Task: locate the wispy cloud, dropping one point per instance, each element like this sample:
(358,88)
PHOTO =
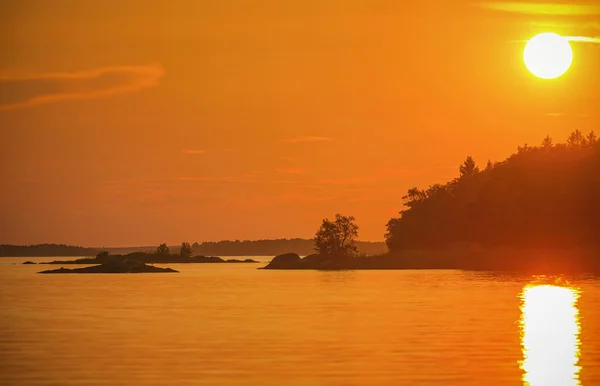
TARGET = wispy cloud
(21,91)
(553,9)
(247,177)
(208,179)
(350,181)
(307,139)
(193,151)
(584,39)
(291,170)
(580,25)
(305,198)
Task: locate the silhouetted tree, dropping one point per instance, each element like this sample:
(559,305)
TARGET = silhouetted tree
(591,138)
(547,142)
(468,168)
(337,237)
(186,250)
(576,139)
(162,250)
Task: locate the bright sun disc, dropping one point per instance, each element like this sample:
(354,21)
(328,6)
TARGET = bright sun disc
(548,55)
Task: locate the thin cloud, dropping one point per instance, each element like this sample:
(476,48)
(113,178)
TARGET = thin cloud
(350,181)
(580,26)
(206,179)
(193,151)
(307,139)
(584,39)
(291,170)
(27,91)
(580,39)
(548,9)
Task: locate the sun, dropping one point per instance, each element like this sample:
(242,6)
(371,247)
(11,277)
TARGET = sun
(548,55)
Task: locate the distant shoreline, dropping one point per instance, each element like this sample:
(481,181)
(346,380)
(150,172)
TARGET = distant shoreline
(221,248)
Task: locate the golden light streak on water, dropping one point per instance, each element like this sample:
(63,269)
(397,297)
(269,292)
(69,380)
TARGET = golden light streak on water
(550,331)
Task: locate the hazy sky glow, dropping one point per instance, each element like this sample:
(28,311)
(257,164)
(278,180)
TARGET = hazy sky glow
(129,122)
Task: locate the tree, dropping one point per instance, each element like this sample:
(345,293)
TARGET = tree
(162,250)
(337,237)
(592,139)
(413,197)
(547,142)
(576,139)
(186,250)
(468,168)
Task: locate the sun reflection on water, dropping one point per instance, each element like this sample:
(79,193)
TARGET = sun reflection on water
(550,335)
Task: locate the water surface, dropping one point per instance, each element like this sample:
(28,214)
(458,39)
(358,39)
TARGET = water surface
(231,324)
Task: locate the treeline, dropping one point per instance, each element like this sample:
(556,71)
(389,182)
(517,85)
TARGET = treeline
(41,250)
(545,196)
(209,248)
(274,247)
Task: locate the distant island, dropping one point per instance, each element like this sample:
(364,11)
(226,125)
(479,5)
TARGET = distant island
(161,256)
(138,262)
(536,212)
(207,248)
(115,266)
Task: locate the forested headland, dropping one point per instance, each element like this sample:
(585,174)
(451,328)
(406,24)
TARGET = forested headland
(545,196)
(537,212)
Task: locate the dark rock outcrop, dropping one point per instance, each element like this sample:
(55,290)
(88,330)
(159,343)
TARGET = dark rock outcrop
(29,262)
(315,261)
(285,261)
(114,267)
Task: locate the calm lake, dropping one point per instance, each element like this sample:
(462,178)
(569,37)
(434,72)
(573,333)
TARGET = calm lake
(231,324)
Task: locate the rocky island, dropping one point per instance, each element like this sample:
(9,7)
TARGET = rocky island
(149,258)
(122,266)
(535,261)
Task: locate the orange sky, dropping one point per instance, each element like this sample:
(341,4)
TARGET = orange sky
(137,122)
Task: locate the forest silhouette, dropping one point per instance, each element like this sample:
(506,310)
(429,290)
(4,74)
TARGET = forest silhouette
(545,196)
(536,212)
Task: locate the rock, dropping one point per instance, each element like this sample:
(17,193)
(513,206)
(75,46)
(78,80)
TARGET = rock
(114,267)
(285,261)
(315,261)
(29,262)
(207,259)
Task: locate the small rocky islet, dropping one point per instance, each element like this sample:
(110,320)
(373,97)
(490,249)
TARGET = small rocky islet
(138,262)
(125,266)
(149,258)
